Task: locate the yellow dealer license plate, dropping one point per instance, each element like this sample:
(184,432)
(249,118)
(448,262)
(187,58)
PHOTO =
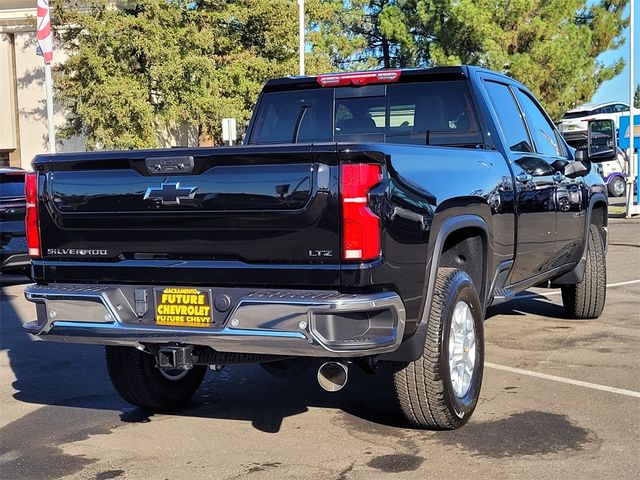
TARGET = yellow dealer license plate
(184,307)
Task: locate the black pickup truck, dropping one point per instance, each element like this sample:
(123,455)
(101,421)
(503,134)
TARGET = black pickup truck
(369,217)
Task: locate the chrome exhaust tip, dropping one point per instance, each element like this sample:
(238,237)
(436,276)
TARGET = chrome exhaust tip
(332,376)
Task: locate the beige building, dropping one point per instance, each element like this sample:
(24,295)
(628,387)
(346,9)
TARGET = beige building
(23,121)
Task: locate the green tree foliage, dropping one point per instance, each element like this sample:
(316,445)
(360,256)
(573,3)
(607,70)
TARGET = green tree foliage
(139,66)
(149,64)
(333,36)
(384,31)
(552,46)
(636,97)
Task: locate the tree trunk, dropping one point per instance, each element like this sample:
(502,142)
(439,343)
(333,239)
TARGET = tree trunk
(386,57)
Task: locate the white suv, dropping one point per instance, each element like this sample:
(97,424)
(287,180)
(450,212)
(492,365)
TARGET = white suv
(576,120)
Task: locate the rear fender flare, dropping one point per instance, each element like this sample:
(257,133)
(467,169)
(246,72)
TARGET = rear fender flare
(413,347)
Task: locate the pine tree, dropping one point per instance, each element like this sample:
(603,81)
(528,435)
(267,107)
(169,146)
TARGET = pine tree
(552,46)
(153,64)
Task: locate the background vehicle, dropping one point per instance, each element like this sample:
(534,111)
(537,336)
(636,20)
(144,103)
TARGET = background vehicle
(371,217)
(576,120)
(612,172)
(13,245)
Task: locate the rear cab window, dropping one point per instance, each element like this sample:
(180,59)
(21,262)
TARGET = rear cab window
(438,113)
(293,116)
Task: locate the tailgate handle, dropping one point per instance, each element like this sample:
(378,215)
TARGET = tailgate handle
(169,165)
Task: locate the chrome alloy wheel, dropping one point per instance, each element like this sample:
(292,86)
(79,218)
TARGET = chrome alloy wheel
(462,349)
(618,187)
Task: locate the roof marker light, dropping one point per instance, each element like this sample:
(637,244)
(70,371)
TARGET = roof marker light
(358,79)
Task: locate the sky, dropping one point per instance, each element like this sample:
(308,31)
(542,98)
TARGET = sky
(617,89)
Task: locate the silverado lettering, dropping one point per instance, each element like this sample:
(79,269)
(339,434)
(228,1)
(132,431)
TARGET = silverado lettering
(77,251)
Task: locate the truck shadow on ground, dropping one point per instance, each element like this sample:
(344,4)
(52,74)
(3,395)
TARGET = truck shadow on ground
(531,305)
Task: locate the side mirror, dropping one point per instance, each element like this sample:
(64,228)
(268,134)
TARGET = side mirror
(578,168)
(601,140)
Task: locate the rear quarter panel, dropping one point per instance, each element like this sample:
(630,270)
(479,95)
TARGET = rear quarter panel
(422,187)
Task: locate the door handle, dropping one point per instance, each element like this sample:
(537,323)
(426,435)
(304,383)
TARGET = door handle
(558,177)
(524,177)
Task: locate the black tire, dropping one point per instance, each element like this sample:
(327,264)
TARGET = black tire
(424,387)
(614,187)
(136,378)
(585,300)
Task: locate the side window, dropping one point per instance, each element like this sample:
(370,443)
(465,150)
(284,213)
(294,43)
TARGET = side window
(509,116)
(621,107)
(542,130)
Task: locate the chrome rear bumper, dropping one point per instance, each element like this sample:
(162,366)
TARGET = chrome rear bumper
(283,322)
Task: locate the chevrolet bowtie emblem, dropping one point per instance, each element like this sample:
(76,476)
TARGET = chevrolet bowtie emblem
(170,193)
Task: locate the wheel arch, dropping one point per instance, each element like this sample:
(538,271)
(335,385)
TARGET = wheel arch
(454,235)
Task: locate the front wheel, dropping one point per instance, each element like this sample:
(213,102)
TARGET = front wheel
(440,389)
(138,381)
(585,300)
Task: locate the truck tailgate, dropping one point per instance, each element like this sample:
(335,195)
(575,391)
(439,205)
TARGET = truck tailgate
(250,214)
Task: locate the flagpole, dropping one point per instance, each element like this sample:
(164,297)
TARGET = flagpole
(632,206)
(301,34)
(44,34)
(49,88)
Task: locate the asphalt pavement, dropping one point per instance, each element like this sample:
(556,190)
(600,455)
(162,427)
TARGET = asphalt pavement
(560,399)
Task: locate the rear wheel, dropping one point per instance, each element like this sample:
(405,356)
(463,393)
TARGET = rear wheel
(138,381)
(585,300)
(440,389)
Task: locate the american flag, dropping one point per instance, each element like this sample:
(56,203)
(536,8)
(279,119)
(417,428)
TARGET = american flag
(45,33)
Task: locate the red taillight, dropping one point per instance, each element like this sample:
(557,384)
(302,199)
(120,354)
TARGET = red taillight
(31,220)
(360,78)
(360,226)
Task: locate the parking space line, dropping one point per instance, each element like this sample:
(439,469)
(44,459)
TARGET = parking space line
(619,284)
(558,292)
(570,381)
